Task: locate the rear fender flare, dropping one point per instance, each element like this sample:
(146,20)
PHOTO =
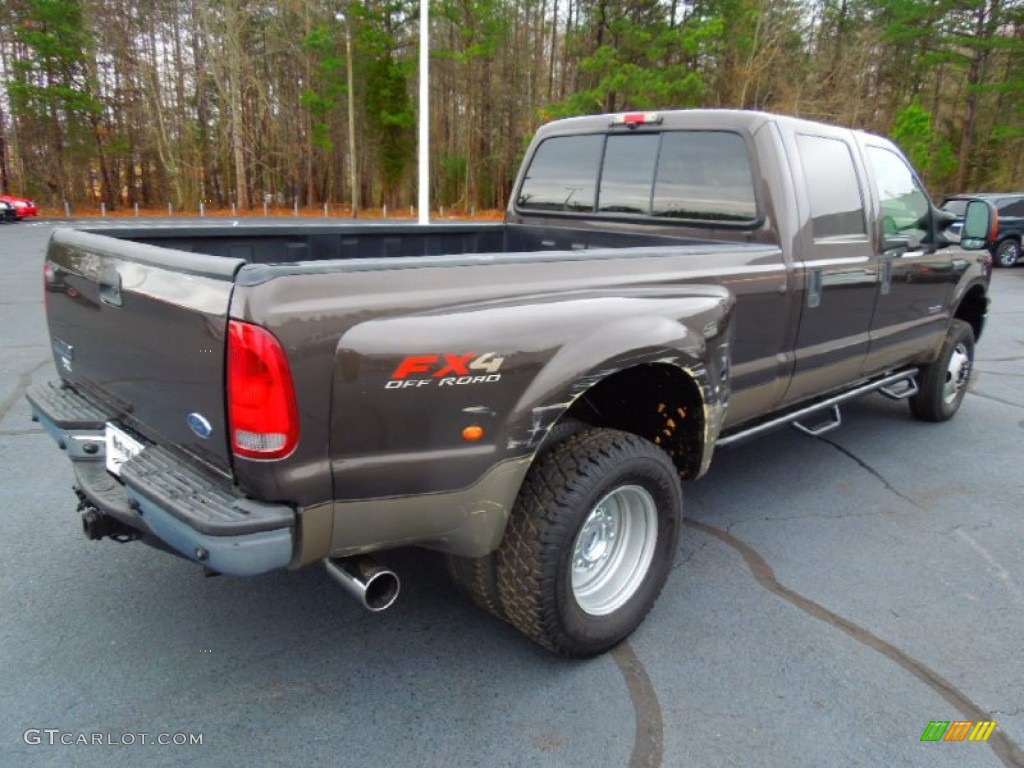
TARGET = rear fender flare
(700,353)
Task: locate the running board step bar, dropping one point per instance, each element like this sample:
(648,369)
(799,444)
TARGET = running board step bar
(821,428)
(895,386)
(901,390)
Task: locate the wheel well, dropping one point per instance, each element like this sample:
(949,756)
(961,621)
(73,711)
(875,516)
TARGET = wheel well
(972,309)
(657,402)
(1000,239)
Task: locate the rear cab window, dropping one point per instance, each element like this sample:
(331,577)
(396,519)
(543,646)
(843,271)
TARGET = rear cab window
(563,175)
(693,176)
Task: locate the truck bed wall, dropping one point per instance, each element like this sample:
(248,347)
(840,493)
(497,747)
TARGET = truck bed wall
(290,244)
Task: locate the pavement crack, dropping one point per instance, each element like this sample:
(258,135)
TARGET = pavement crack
(870,470)
(649,742)
(17,432)
(692,554)
(1008,752)
(824,516)
(24,379)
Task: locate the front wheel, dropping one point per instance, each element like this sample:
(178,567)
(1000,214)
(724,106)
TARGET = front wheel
(1007,253)
(590,541)
(944,383)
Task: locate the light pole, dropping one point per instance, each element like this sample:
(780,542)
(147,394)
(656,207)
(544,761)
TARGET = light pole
(424,123)
(353,175)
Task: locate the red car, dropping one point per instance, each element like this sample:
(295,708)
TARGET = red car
(23,207)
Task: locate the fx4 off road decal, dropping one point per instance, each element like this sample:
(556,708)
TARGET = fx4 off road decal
(446,370)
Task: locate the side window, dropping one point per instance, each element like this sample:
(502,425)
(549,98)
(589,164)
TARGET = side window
(837,207)
(905,206)
(628,173)
(956,207)
(704,176)
(1011,207)
(563,175)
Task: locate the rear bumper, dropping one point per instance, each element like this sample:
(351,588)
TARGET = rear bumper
(194,513)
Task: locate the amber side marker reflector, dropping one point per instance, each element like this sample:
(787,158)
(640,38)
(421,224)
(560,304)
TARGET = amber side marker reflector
(472,433)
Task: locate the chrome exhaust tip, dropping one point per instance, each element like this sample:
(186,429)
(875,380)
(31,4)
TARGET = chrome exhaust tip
(373,585)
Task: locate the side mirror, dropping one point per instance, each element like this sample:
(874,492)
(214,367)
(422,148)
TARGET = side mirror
(978,221)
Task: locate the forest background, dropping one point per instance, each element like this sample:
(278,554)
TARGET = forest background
(245,102)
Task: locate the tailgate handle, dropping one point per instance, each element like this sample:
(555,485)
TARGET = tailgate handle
(110,287)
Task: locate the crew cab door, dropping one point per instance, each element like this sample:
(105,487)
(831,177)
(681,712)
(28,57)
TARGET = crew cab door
(839,269)
(916,280)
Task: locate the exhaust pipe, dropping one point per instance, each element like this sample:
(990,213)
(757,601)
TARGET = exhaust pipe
(375,586)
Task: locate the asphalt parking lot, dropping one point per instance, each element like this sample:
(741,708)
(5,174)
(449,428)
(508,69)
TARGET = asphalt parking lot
(831,598)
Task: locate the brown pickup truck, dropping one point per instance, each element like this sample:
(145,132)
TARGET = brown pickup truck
(523,397)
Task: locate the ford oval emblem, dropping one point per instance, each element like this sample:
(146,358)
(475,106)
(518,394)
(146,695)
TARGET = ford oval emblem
(199,424)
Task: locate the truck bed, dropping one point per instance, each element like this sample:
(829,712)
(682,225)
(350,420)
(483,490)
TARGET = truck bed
(139,314)
(291,243)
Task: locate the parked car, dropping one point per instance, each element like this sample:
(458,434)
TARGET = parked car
(23,207)
(6,212)
(1008,225)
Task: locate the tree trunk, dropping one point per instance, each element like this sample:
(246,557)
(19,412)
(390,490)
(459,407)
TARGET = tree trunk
(5,178)
(234,75)
(984,29)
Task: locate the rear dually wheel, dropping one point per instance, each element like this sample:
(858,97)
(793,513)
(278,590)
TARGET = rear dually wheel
(590,542)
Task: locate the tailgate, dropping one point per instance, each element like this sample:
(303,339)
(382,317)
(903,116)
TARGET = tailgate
(141,330)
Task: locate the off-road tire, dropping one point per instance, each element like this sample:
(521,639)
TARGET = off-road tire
(943,384)
(563,490)
(477,576)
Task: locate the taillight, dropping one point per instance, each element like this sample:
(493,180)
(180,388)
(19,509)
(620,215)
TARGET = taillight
(262,415)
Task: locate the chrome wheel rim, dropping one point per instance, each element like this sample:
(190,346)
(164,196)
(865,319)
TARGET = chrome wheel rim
(957,374)
(614,549)
(1008,253)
